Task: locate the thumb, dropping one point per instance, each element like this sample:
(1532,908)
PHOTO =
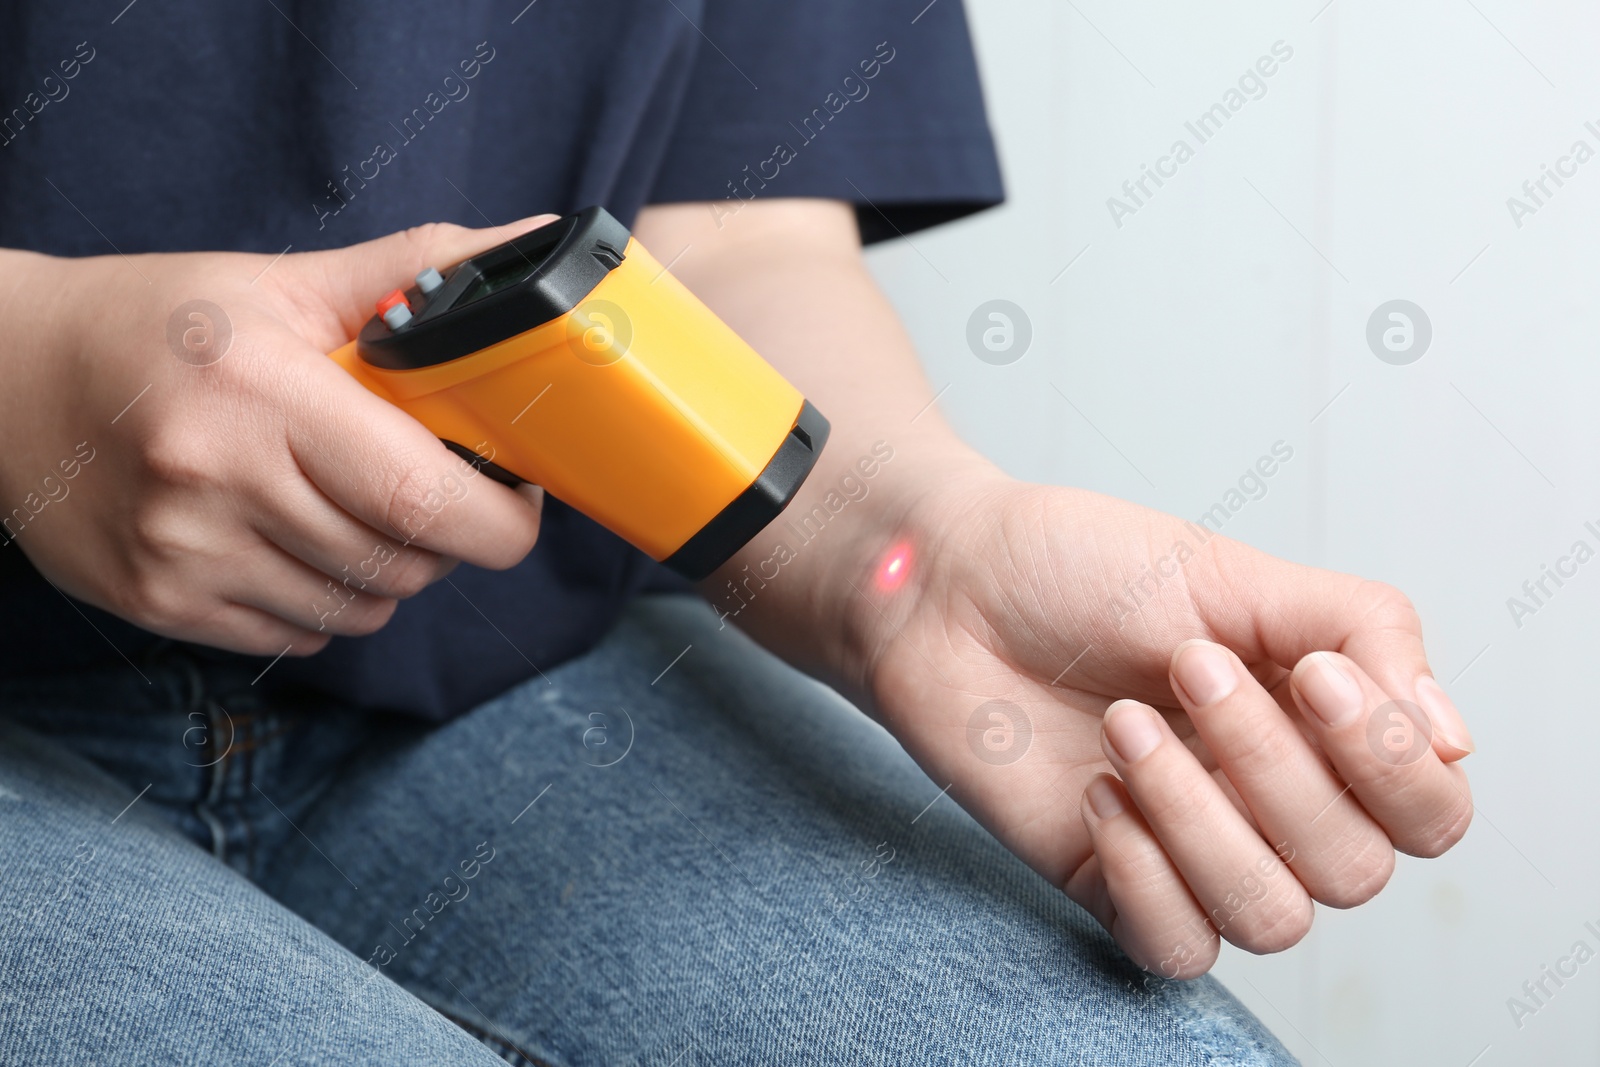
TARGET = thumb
(350,280)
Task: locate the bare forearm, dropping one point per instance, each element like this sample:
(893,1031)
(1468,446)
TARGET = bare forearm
(789,278)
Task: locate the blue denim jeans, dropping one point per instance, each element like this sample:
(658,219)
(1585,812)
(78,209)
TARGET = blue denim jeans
(674,850)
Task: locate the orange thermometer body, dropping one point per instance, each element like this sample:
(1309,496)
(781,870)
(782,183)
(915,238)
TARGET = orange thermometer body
(569,358)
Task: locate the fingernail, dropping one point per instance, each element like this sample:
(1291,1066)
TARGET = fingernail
(1447,721)
(1206,673)
(1332,694)
(1131,728)
(1103,799)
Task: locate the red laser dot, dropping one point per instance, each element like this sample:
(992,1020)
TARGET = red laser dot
(892,574)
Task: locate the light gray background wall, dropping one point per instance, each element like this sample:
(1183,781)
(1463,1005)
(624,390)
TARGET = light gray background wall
(1231,312)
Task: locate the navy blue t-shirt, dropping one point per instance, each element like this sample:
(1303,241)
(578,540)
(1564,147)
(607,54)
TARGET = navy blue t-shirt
(182,125)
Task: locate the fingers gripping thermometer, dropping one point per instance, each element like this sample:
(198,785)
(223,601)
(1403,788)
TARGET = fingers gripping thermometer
(569,358)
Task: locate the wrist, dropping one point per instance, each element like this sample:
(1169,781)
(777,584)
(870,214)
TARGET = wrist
(908,564)
(29,284)
(821,585)
(892,568)
(46,304)
(37,350)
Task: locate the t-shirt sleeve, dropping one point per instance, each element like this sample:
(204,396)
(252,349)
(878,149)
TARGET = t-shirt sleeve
(875,103)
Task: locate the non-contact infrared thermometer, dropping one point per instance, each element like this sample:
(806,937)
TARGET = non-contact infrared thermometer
(569,358)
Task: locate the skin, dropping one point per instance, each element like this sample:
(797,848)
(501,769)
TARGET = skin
(223,501)
(1238,818)
(1182,772)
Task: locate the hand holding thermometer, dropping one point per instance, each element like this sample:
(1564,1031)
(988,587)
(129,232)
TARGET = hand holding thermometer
(569,358)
